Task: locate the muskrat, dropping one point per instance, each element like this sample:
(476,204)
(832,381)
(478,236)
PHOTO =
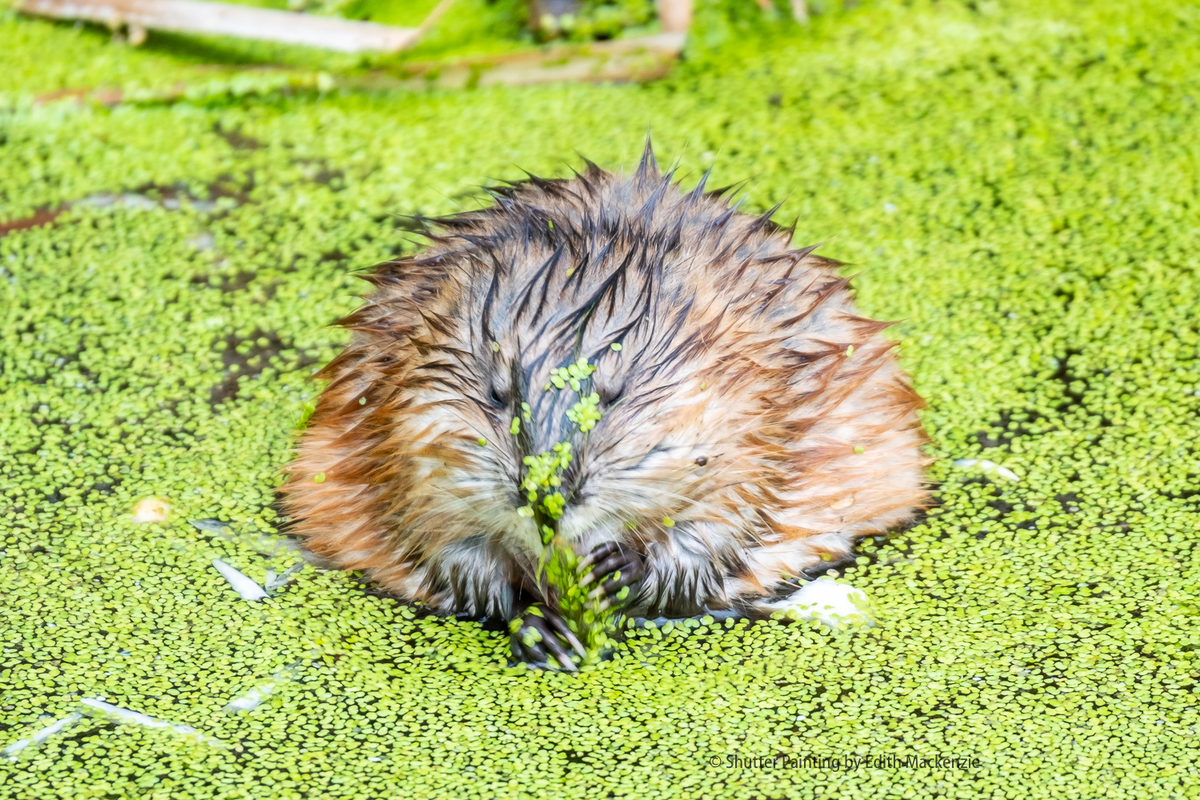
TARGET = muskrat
(754,426)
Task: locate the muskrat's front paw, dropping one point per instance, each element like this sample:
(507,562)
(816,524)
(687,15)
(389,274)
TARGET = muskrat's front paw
(540,634)
(617,570)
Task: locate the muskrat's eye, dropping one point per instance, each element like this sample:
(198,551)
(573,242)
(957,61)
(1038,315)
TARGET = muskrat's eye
(610,392)
(499,397)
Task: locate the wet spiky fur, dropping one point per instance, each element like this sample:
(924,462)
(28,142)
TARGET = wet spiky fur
(735,407)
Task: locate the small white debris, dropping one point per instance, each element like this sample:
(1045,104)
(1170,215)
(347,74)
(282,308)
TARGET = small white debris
(248,589)
(889,208)
(990,467)
(151,509)
(209,525)
(136,718)
(826,600)
(203,241)
(128,200)
(317,560)
(97,200)
(274,582)
(132,200)
(201,206)
(250,700)
(42,735)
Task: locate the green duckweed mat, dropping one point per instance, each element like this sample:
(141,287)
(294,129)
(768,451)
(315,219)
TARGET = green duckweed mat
(1016,181)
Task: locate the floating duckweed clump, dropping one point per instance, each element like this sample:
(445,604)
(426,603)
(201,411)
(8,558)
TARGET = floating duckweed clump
(560,569)
(1016,182)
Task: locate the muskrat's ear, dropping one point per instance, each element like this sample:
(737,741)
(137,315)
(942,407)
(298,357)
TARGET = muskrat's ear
(647,170)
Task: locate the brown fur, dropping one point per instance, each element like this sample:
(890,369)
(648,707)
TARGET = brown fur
(733,407)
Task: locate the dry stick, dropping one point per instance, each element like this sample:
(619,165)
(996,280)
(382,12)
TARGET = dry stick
(431,20)
(675,15)
(641,59)
(223,19)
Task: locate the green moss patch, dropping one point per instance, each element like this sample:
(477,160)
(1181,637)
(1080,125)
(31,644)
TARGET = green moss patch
(1015,181)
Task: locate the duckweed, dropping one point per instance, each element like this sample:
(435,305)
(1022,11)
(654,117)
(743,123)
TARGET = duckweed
(1015,182)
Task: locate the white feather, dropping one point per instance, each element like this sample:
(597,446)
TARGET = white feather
(250,700)
(137,718)
(42,735)
(248,589)
(988,467)
(826,600)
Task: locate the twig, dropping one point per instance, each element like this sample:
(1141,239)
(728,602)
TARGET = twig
(432,19)
(643,58)
(639,59)
(223,19)
(675,15)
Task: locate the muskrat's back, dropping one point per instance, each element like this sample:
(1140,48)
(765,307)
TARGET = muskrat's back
(753,424)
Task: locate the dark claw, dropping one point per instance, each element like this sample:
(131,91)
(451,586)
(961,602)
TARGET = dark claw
(613,567)
(542,634)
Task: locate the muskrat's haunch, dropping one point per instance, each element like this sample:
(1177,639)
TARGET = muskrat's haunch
(753,424)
